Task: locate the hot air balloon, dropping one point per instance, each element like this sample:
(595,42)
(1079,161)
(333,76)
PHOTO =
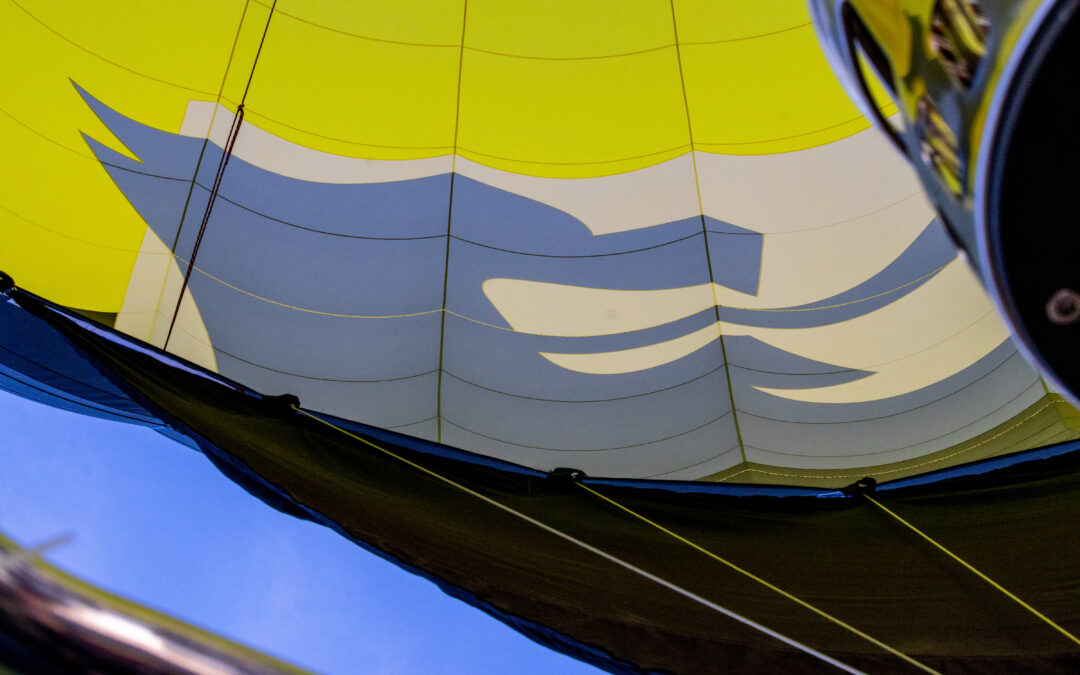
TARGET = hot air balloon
(620,322)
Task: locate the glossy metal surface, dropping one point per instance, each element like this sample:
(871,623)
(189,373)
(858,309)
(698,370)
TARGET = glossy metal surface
(61,624)
(985,90)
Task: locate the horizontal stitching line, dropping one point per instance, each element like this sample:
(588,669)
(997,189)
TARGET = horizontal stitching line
(911,467)
(106,60)
(597,400)
(620,447)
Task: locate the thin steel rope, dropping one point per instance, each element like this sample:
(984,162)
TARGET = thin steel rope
(1009,594)
(596,551)
(772,587)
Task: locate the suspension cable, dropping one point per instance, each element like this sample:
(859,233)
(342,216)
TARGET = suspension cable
(977,573)
(226,154)
(820,612)
(596,551)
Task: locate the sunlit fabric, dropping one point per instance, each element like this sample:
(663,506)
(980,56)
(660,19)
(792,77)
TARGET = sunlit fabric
(657,242)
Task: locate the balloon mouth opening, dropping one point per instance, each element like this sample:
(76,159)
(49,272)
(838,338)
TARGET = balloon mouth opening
(1032,229)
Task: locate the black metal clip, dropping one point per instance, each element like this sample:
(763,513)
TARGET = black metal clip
(6,283)
(282,405)
(563,478)
(863,486)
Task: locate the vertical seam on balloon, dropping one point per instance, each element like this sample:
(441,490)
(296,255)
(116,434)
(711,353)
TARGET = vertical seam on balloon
(234,133)
(907,465)
(449,222)
(705,234)
(198,166)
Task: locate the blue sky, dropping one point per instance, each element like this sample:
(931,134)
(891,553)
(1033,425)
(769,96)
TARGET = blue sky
(155,522)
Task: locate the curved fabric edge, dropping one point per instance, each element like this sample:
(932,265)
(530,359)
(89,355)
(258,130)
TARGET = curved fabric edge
(101,405)
(560,595)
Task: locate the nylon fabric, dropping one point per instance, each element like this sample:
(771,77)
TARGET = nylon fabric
(428,526)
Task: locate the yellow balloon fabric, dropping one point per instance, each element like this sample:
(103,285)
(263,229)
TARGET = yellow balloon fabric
(647,238)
